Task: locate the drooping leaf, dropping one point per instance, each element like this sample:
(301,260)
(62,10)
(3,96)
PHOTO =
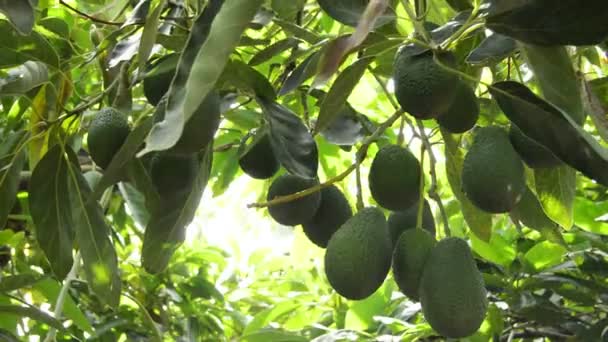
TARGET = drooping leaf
(552,128)
(348,127)
(158,78)
(529,211)
(136,202)
(349,12)
(339,92)
(166,229)
(273,50)
(92,235)
(21,79)
(556,189)
(51,210)
(139,13)
(16,49)
(549,22)
(301,73)
(125,49)
(33,313)
(18,281)
(595,107)
(299,31)
(249,80)
(200,66)
(12,161)
(20,13)
(479,222)
(291,141)
(148,36)
(50,289)
(492,50)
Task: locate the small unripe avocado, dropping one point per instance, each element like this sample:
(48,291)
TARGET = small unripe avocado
(259,161)
(422,87)
(409,257)
(452,291)
(463,113)
(200,129)
(532,153)
(333,212)
(358,255)
(401,221)
(173,174)
(493,176)
(297,211)
(108,131)
(394,178)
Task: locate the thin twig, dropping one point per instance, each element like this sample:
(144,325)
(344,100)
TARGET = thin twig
(361,153)
(97,20)
(360,204)
(418,26)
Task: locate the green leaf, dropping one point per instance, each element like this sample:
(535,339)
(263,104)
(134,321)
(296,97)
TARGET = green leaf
(287,9)
(92,235)
(492,50)
(33,313)
(200,66)
(50,289)
(298,31)
(148,36)
(263,318)
(159,76)
(16,49)
(136,202)
(291,142)
(552,128)
(550,22)
(20,13)
(544,255)
(21,79)
(51,210)
(590,215)
(167,227)
(274,335)
(301,73)
(349,12)
(530,212)
(360,314)
(12,161)
(18,281)
(556,188)
(139,13)
(339,92)
(498,250)
(248,80)
(479,222)
(226,170)
(273,50)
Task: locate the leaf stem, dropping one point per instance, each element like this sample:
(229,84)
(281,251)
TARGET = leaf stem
(418,26)
(421,190)
(360,204)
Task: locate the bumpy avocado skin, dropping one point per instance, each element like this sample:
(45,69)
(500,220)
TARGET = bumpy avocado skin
(422,87)
(108,131)
(452,291)
(200,129)
(297,211)
(493,174)
(463,113)
(173,175)
(394,178)
(333,212)
(409,258)
(401,221)
(358,255)
(532,153)
(260,162)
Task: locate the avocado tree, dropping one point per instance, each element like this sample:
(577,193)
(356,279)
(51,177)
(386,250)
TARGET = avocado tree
(439,166)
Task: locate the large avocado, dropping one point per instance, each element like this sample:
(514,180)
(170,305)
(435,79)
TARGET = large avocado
(333,212)
(463,113)
(452,291)
(297,211)
(358,255)
(493,174)
(259,161)
(409,257)
(108,131)
(401,221)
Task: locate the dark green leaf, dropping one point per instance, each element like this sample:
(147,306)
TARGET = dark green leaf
(148,36)
(287,9)
(20,13)
(291,141)
(552,128)
(298,31)
(273,50)
(492,50)
(247,79)
(200,66)
(50,289)
(18,281)
(33,313)
(139,13)
(7,336)
(529,211)
(350,11)
(301,73)
(550,22)
(167,227)
(21,79)
(51,210)
(16,49)
(136,202)
(339,92)
(12,161)
(348,128)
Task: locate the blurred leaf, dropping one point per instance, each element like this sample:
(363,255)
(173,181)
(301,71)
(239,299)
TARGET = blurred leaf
(287,9)
(492,50)
(292,143)
(267,316)
(530,212)
(595,107)
(226,170)
(18,281)
(479,222)
(339,92)
(148,36)
(16,49)
(7,336)
(124,50)
(349,12)
(12,162)
(274,335)
(347,128)
(50,289)
(360,314)
(544,255)
(547,22)
(588,215)
(273,50)
(33,313)
(298,31)
(139,14)
(21,79)
(247,79)
(552,128)
(200,66)
(20,13)
(497,250)
(556,188)
(301,73)
(52,211)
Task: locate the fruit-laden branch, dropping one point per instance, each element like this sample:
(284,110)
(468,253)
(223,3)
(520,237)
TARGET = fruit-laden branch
(361,153)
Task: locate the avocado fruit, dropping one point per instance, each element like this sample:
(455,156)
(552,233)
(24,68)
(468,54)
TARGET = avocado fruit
(200,129)
(394,178)
(493,176)
(423,88)
(107,133)
(333,212)
(294,212)
(401,221)
(258,160)
(358,255)
(173,175)
(452,291)
(534,154)
(463,113)
(409,257)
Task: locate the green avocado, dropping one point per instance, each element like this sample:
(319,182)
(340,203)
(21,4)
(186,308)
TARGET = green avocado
(409,257)
(173,174)
(463,113)
(333,212)
(200,129)
(259,161)
(297,211)
(108,131)
(401,221)
(358,255)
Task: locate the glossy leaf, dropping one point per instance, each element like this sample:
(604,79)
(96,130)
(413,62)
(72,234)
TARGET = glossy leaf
(544,255)
(248,80)
(273,50)
(148,36)
(347,128)
(556,189)
(16,49)
(301,73)
(530,212)
(291,141)
(552,128)
(492,50)
(200,66)
(12,161)
(51,210)
(21,79)
(349,12)
(549,22)
(20,13)
(166,229)
(139,14)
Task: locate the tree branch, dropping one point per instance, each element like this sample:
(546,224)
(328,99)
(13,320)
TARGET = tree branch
(97,20)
